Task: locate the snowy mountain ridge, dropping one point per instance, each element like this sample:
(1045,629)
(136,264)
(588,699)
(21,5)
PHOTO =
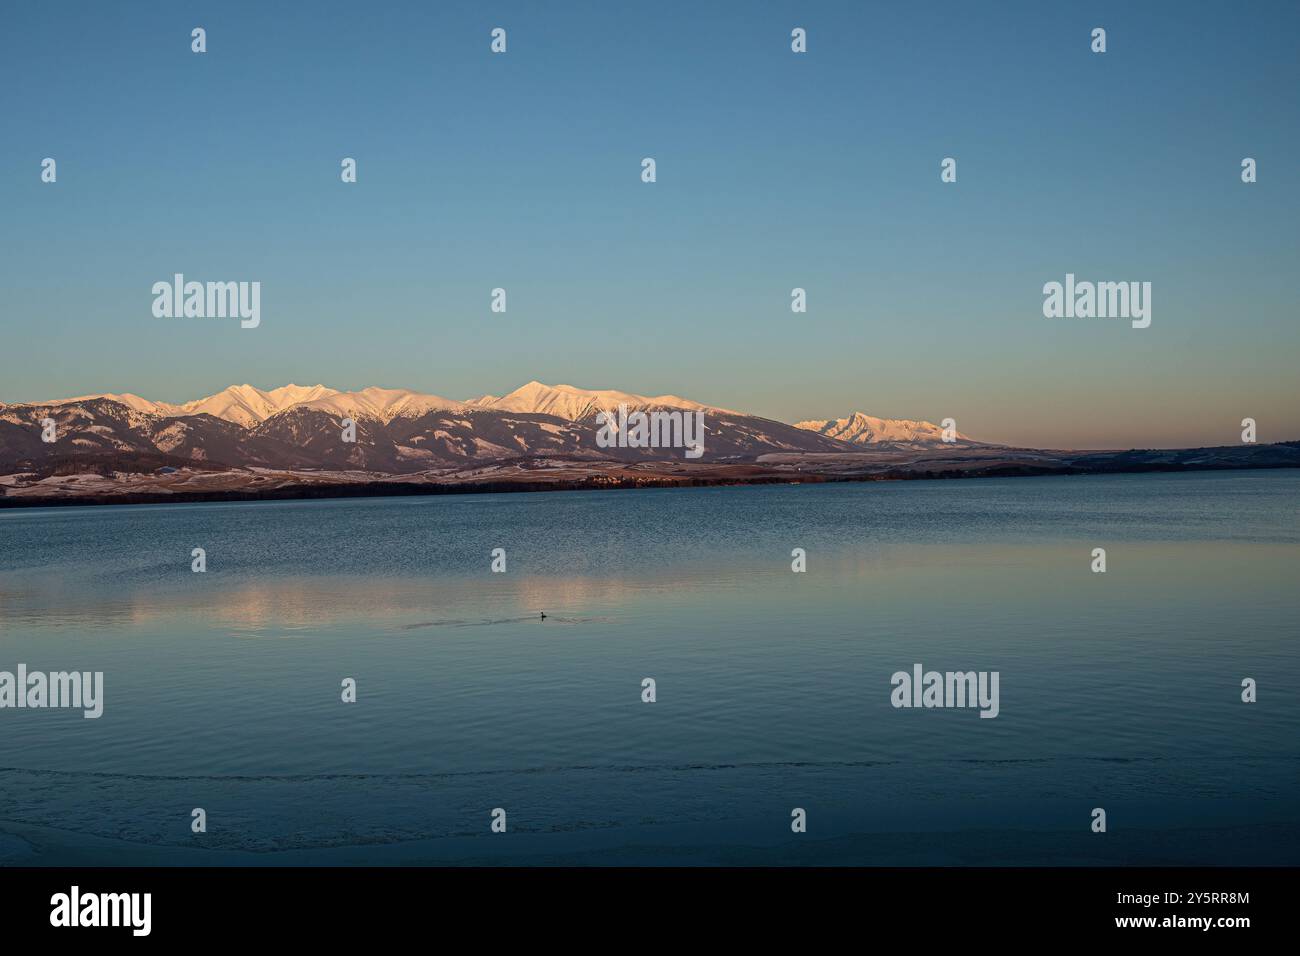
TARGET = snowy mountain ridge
(250,408)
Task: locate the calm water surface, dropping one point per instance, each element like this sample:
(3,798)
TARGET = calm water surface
(1118,690)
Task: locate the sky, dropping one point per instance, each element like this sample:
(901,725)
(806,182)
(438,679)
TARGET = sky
(775,170)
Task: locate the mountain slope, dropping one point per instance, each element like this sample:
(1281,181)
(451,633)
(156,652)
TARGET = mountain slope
(863,429)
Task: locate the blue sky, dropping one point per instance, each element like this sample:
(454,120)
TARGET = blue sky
(775,170)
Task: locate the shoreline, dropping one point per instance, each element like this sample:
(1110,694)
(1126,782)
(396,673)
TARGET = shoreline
(393,488)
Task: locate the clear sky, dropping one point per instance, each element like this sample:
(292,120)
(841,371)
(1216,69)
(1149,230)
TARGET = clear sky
(775,170)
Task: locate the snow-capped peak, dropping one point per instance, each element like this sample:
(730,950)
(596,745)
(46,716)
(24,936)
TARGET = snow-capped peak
(133,402)
(242,404)
(286,396)
(578,404)
(862,429)
(384,404)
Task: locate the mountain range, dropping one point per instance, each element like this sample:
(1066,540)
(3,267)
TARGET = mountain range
(399,431)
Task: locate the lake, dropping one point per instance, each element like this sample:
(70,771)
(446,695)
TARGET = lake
(222,690)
